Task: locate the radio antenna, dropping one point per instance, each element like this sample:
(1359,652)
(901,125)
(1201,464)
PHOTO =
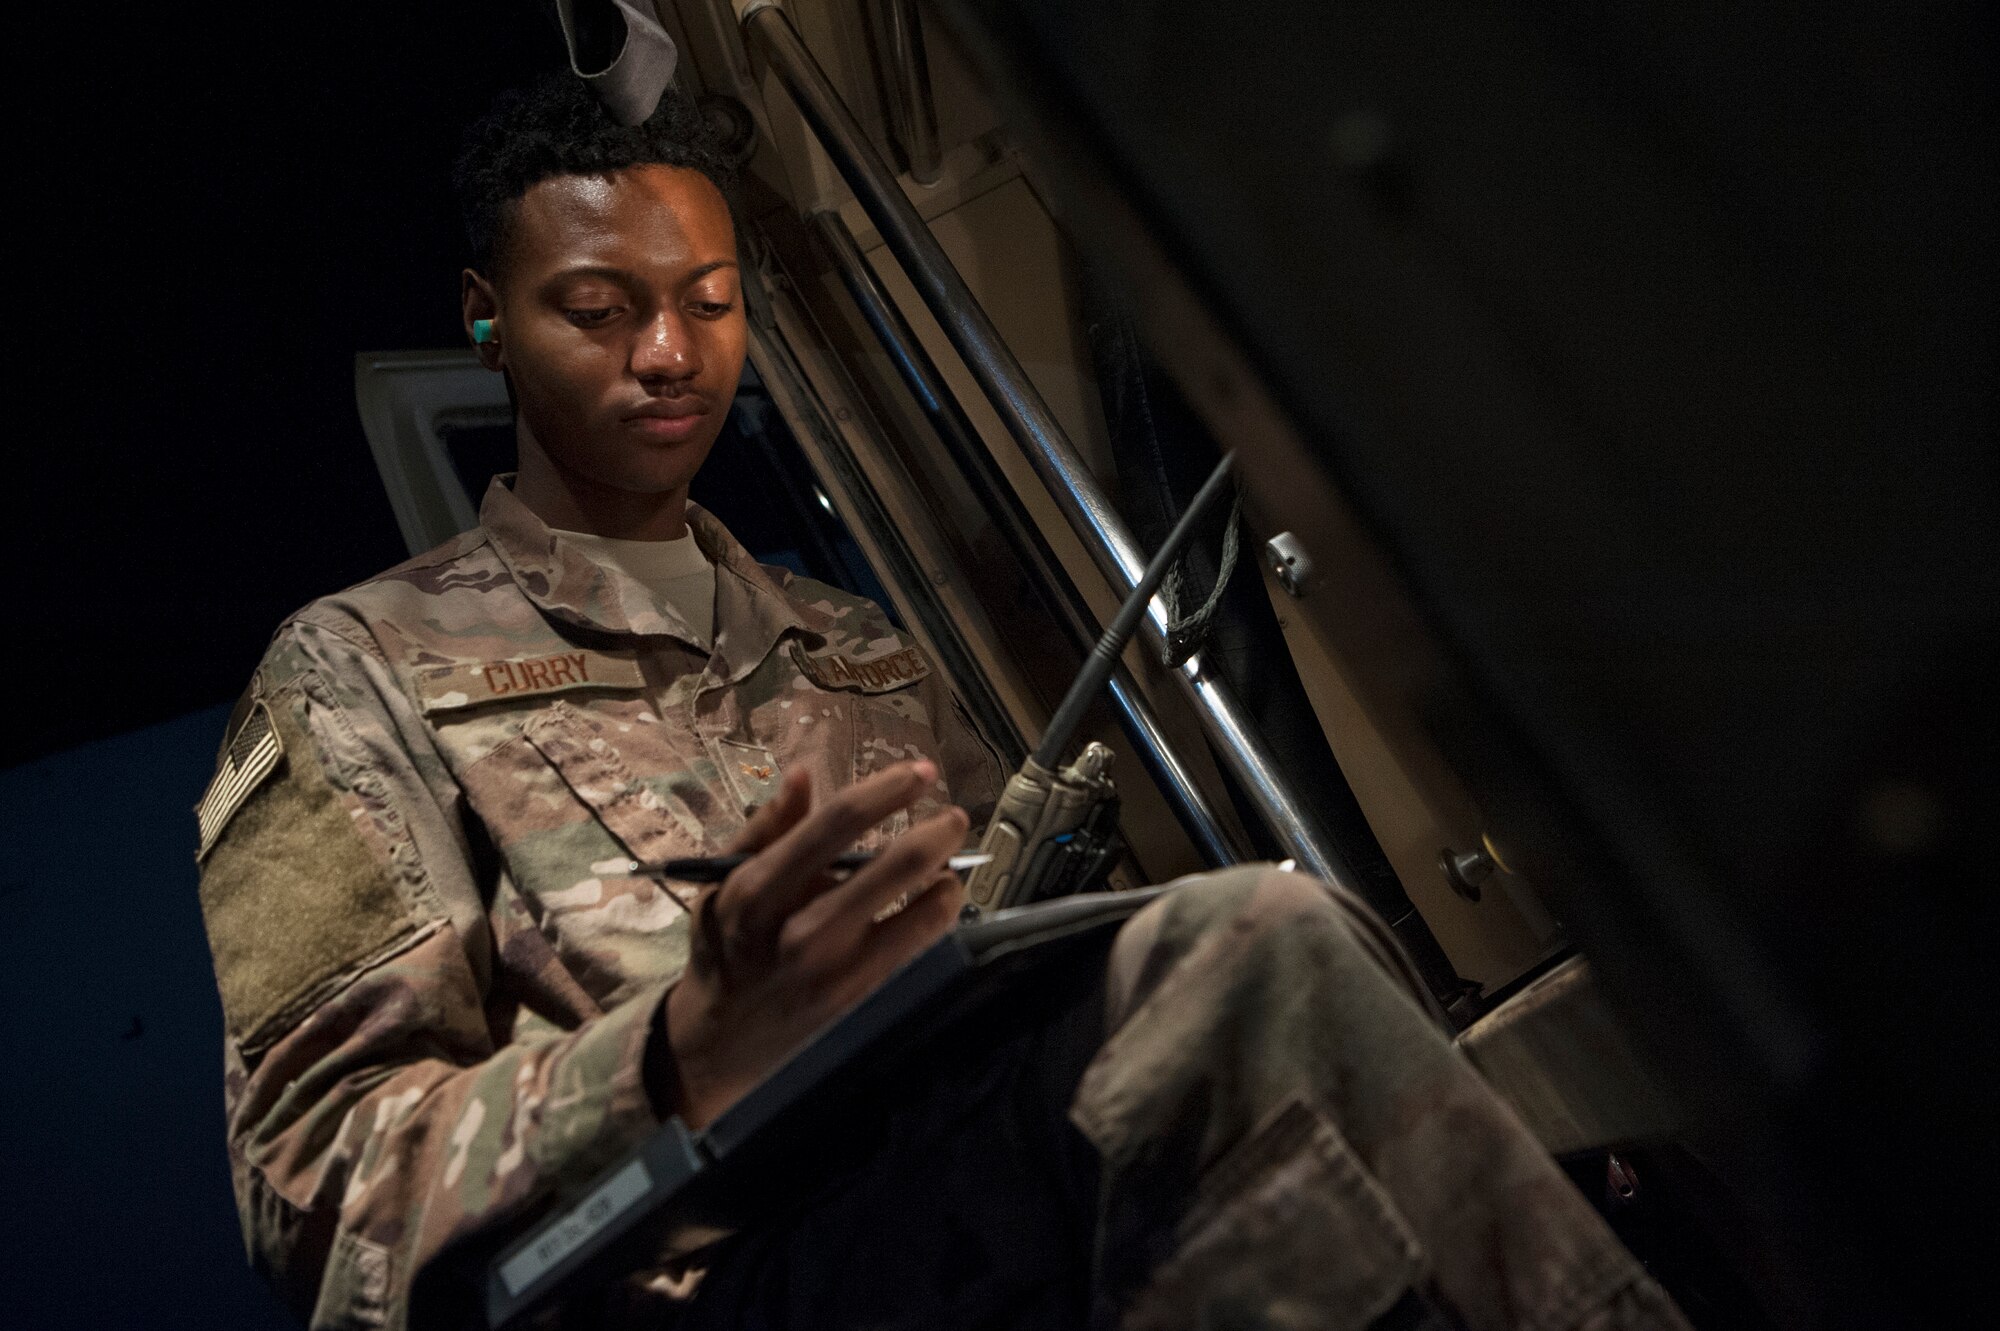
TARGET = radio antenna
(1103,658)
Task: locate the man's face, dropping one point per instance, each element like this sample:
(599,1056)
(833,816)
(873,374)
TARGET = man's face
(620,321)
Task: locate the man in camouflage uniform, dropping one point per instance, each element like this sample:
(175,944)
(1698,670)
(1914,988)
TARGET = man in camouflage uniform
(450,999)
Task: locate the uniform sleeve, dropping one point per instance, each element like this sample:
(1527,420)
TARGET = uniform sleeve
(377,1116)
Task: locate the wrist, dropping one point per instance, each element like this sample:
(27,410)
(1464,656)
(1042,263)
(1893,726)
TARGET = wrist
(659,1069)
(680,1079)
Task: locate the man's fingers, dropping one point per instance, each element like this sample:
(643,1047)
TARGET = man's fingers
(905,866)
(837,822)
(929,916)
(932,914)
(789,872)
(733,915)
(777,815)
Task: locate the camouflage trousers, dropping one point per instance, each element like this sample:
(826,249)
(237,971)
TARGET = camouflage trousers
(1242,1120)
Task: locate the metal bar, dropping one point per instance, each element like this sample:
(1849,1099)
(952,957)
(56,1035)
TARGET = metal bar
(1104,655)
(1072,614)
(850,491)
(900,34)
(1034,427)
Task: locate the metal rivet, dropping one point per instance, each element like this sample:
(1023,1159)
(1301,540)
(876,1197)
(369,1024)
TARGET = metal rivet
(1289,562)
(1465,870)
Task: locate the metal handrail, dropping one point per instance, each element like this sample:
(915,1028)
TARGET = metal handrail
(948,420)
(860,508)
(900,33)
(1055,459)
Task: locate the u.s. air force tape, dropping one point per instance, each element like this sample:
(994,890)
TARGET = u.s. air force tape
(837,670)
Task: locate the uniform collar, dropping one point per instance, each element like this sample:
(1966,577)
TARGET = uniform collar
(753,610)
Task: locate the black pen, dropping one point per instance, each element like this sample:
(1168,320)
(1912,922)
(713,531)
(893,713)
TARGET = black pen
(715,868)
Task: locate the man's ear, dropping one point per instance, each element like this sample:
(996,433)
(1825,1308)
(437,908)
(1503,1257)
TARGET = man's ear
(479,309)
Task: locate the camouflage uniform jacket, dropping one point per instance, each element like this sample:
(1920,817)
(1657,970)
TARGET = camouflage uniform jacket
(438,973)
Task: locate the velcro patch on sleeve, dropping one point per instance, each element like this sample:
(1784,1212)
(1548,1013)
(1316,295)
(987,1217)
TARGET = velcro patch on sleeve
(445,687)
(250,754)
(881,674)
(296,901)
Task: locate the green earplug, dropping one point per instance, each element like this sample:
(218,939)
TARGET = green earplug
(482,330)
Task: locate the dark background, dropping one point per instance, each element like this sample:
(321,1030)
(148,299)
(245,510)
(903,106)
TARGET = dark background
(216,209)
(220,213)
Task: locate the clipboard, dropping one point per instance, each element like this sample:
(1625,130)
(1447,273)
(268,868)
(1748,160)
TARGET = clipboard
(976,965)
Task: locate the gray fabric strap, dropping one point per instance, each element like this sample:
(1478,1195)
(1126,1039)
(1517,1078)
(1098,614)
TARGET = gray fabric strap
(1186,633)
(631,84)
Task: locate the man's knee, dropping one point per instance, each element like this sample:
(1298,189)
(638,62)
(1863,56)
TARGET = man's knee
(1237,978)
(1248,913)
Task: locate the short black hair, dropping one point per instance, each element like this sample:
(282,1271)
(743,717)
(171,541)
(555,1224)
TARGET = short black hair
(556,126)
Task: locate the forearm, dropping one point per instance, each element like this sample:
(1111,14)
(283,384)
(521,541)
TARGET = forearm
(386,1129)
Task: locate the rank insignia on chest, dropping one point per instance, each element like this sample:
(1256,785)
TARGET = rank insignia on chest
(880,674)
(470,684)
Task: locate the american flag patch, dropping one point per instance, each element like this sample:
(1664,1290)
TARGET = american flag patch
(252,755)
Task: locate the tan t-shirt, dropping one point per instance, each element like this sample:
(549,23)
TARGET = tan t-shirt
(676,572)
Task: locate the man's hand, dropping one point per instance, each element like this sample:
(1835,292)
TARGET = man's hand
(781,946)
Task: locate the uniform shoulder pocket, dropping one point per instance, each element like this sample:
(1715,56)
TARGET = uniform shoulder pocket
(296,900)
